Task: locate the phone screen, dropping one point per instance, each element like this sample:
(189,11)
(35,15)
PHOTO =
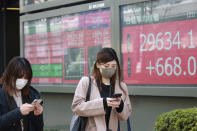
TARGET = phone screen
(117,95)
(37,101)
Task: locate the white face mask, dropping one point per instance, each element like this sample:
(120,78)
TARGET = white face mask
(20,83)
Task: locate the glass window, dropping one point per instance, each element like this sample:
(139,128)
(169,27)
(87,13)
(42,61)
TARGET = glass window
(159,42)
(63,49)
(28,2)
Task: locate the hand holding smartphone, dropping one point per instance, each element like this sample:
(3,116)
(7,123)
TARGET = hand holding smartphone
(117,95)
(115,100)
(37,101)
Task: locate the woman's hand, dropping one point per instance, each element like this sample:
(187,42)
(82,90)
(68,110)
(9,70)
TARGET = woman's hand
(26,108)
(38,109)
(113,102)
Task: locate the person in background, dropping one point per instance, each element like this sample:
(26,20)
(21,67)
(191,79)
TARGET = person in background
(103,110)
(16,95)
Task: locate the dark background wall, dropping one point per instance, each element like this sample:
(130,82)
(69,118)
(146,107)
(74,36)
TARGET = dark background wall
(1,37)
(9,32)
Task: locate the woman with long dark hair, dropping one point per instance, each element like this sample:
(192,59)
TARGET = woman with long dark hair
(109,100)
(16,95)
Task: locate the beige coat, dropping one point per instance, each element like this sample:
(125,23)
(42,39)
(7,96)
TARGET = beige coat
(94,108)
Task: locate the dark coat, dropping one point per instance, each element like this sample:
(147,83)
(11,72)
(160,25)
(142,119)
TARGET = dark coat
(9,118)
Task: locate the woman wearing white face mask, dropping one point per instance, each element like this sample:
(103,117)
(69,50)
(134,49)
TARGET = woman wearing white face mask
(16,95)
(103,110)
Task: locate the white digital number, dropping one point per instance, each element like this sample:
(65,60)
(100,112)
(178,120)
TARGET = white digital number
(191,40)
(169,40)
(176,40)
(142,48)
(177,66)
(159,67)
(159,42)
(168,67)
(151,41)
(191,58)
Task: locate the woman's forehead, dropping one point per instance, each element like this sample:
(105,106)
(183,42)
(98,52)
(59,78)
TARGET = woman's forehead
(111,62)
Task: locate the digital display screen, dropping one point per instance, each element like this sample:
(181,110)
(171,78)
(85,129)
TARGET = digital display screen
(63,49)
(159,46)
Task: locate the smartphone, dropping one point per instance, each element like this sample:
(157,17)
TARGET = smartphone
(116,95)
(37,101)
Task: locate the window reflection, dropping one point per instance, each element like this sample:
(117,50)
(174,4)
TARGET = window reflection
(28,2)
(158,42)
(62,49)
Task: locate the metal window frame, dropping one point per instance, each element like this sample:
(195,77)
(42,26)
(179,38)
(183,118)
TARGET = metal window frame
(44,5)
(114,5)
(177,90)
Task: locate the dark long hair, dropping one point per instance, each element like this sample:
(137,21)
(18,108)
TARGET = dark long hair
(17,67)
(105,55)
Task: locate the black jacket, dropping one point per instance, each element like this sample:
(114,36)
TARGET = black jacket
(9,118)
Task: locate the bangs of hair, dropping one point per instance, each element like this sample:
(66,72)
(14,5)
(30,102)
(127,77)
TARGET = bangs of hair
(24,70)
(105,55)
